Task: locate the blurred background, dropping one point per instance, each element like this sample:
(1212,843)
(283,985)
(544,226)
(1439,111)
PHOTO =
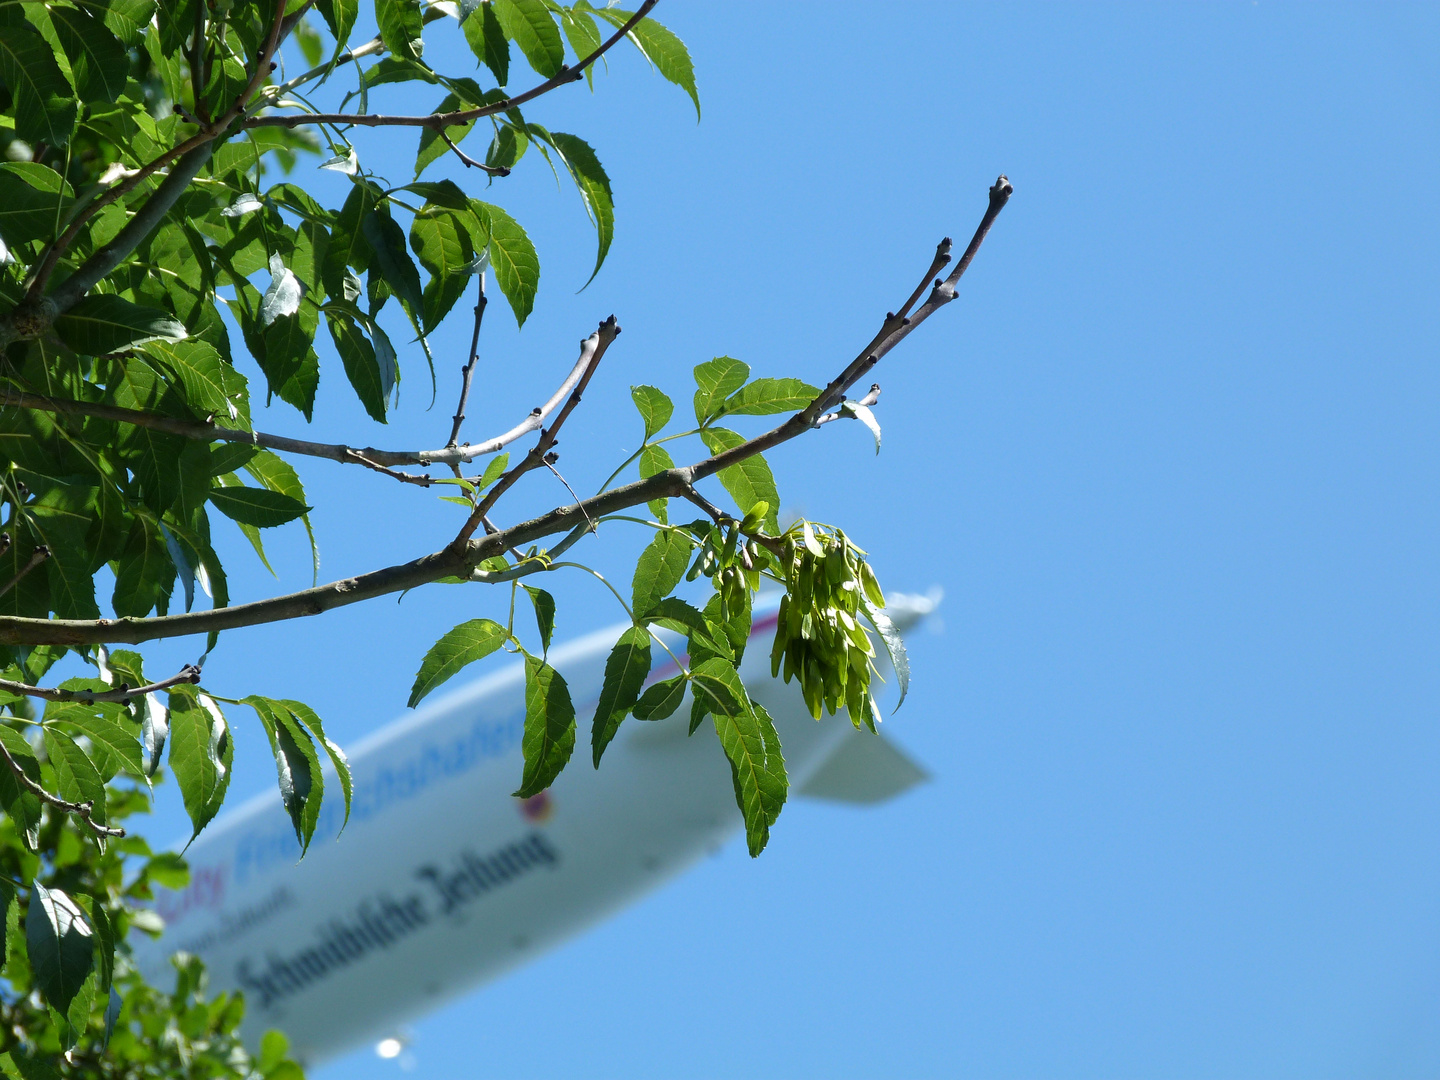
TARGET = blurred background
(1172,456)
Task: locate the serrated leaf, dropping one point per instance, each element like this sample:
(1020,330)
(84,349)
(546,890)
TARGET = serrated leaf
(212,386)
(749,482)
(894,646)
(655,408)
(60,944)
(20,804)
(308,717)
(716,380)
(297,766)
(104,323)
(655,459)
(544,605)
(658,45)
(763,397)
(529,25)
(661,699)
(45,107)
(33,202)
(626,670)
(154,730)
(659,569)
(759,782)
(201,754)
(401,22)
(594,186)
(106,734)
(361,366)
(76,777)
(256,506)
(466,643)
(549,737)
(488,42)
(442,245)
(387,241)
(512,256)
(98,63)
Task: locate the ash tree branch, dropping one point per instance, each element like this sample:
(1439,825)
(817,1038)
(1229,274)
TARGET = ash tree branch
(441,121)
(468,371)
(188,674)
(459,558)
(39,555)
(81,810)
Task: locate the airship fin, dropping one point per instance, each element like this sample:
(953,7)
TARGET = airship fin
(865,769)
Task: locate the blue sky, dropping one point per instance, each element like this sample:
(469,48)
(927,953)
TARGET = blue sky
(1172,457)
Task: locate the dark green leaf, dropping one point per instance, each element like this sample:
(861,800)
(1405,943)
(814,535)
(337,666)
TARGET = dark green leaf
(432,146)
(19,804)
(442,244)
(212,387)
(512,256)
(626,670)
(654,406)
(44,107)
(308,717)
(463,645)
(288,358)
(717,379)
(33,202)
(589,176)
(661,699)
(104,733)
(659,569)
(400,25)
(749,482)
(544,605)
(361,366)
(99,63)
(387,241)
(749,744)
(103,323)
(766,396)
(529,25)
(60,943)
(487,40)
(339,16)
(549,736)
(297,766)
(201,754)
(256,506)
(655,459)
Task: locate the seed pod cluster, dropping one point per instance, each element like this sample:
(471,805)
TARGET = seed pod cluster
(819,639)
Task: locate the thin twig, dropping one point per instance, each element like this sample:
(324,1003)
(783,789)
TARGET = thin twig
(550,464)
(39,555)
(459,559)
(374,45)
(440,121)
(942,256)
(719,516)
(83,810)
(188,674)
(468,371)
(470,162)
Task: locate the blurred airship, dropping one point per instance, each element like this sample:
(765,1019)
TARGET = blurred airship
(443,881)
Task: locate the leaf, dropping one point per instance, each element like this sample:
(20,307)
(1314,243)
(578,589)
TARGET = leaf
(212,386)
(154,730)
(45,108)
(659,569)
(19,804)
(443,247)
(60,943)
(763,397)
(865,416)
(487,40)
(660,46)
(463,645)
(104,323)
(589,176)
(339,16)
(361,367)
(387,241)
(201,754)
(654,406)
(98,63)
(626,669)
(512,256)
(432,147)
(106,734)
(717,379)
(661,699)
(894,645)
(655,459)
(400,24)
(76,777)
(749,482)
(529,25)
(33,202)
(549,737)
(287,356)
(283,295)
(544,605)
(297,766)
(759,782)
(256,506)
(308,717)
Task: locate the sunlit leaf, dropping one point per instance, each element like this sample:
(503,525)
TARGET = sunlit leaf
(549,737)
(466,643)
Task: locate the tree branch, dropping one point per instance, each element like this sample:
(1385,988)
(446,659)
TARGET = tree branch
(440,121)
(459,558)
(39,555)
(470,163)
(83,810)
(188,674)
(468,371)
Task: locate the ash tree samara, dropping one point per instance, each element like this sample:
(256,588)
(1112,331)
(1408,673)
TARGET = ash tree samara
(168,291)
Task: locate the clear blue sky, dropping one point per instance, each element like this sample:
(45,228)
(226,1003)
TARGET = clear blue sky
(1173,456)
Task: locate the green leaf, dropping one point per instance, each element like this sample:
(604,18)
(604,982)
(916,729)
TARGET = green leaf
(99,64)
(432,147)
(339,16)
(749,482)
(594,185)
(45,107)
(277,474)
(544,605)
(512,257)
(625,672)
(20,805)
(288,358)
(655,459)
(766,396)
(33,202)
(400,23)
(487,40)
(103,323)
(661,47)
(749,742)
(894,645)
(308,717)
(493,471)
(60,943)
(387,240)
(463,645)
(212,387)
(659,569)
(661,699)
(654,406)
(201,754)
(297,766)
(549,738)
(361,366)
(442,245)
(106,734)
(256,506)
(529,25)
(717,379)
